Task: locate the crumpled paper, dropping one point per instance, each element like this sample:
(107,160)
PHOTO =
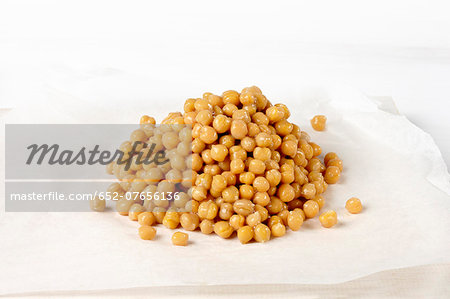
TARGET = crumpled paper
(391,165)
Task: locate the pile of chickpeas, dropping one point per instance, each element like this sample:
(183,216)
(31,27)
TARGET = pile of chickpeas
(247,171)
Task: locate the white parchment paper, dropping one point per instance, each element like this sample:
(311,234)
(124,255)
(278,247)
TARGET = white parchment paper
(391,165)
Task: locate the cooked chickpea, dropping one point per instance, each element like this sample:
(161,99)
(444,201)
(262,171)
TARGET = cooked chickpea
(261,184)
(257,166)
(261,233)
(253,219)
(221,123)
(329,156)
(353,205)
(294,220)
(286,192)
(189,221)
(263,140)
(243,207)
(332,175)
(237,221)
(246,192)
(223,229)
(311,208)
(238,129)
(328,219)
(207,226)
(180,239)
(208,135)
(318,122)
(231,97)
(278,230)
(336,162)
(171,220)
(308,191)
(146,218)
(245,234)
(207,210)
(219,152)
(237,166)
(147,232)
(289,148)
(226,211)
(248,144)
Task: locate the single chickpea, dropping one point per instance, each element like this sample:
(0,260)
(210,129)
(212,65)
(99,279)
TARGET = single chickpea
(231,97)
(332,175)
(329,156)
(243,207)
(261,184)
(257,166)
(328,219)
(207,226)
(147,232)
(309,191)
(229,108)
(247,178)
(295,204)
(171,220)
(263,140)
(223,229)
(207,210)
(241,115)
(353,205)
(245,234)
(237,221)
(289,148)
(260,118)
(336,162)
(261,233)
(226,211)
(311,208)
(278,230)
(146,219)
(221,123)
(145,119)
(318,122)
(189,221)
(208,135)
(286,192)
(294,220)
(261,198)
(320,201)
(275,205)
(248,144)
(262,153)
(246,191)
(274,114)
(180,239)
(237,166)
(273,176)
(227,140)
(274,220)
(238,129)
(219,183)
(253,219)
(219,152)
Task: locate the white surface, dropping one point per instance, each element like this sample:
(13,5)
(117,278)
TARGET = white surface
(173,50)
(107,254)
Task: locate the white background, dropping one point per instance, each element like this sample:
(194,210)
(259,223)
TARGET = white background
(179,49)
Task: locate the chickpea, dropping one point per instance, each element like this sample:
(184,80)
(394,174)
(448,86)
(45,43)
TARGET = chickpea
(134,211)
(247,178)
(248,144)
(256,166)
(286,192)
(311,208)
(336,162)
(223,229)
(329,156)
(231,97)
(208,135)
(261,184)
(147,232)
(274,114)
(171,220)
(309,191)
(253,219)
(278,230)
(241,115)
(261,233)
(180,239)
(261,198)
(318,122)
(263,140)
(207,210)
(245,234)
(229,108)
(237,166)
(226,211)
(238,129)
(219,152)
(246,192)
(328,219)
(289,148)
(201,104)
(189,221)
(294,220)
(320,201)
(146,219)
(221,123)
(237,221)
(295,204)
(243,207)
(274,220)
(332,175)
(275,206)
(227,140)
(219,183)
(353,205)
(207,226)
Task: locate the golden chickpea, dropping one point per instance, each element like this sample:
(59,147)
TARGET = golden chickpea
(237,166)
(261,198)
(273,176)
(241,115)
(207,210)
(207,226)
(289,148)
(274,114)
(275,205)
(246,192)
(147,232)
(204,117)
(226,211)
(262,211)
(227,140)
(180,239)
(253,219)
(237,221)
(261,184)
(332,175)
(336,162)
(201,104)
(146,218)
(198,145)
(318,122)
(286,192)
(219,152)
(223,229)
(278,230)
(309,191)
(145,119)
(262,153)
(263,140)
(285,109)
(248,144)
(247,178)
(221,123)
(219,183)
(238,129)
(253,129)
(229,108)
(243,207)
(328,219)
(257,166)
(189,221)
(311,208)
(245,234)
(294,220)
(261,233)
(284,216)
(231,97)
(353,205)
(208,135)
(171,220)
